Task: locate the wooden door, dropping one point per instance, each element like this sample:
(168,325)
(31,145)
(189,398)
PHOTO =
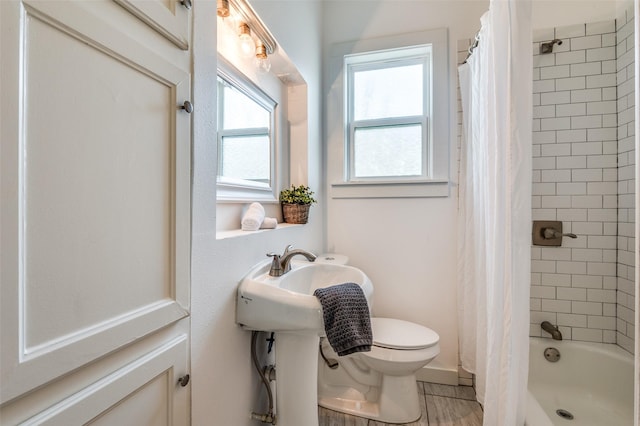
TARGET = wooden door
(95,185)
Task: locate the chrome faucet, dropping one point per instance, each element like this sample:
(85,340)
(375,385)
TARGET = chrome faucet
(552,329)
(282,264)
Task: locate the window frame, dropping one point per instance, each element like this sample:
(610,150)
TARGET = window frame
(234,189)
(439,123)
(378,60)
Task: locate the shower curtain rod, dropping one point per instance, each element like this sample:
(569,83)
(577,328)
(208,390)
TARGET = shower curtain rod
(476,40)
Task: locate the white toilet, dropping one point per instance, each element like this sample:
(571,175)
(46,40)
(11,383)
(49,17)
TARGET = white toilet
(380,384)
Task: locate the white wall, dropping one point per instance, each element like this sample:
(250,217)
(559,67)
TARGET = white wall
(406,246)
(225,387)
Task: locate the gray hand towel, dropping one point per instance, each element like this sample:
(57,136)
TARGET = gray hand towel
(347,322)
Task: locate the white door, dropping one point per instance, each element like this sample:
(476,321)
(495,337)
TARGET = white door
(95,185)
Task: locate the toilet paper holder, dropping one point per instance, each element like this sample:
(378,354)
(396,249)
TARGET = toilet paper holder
(548,233)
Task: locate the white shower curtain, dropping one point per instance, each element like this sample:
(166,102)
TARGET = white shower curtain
(495,211)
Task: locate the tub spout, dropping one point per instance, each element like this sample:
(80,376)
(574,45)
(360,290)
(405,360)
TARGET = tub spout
(552,329)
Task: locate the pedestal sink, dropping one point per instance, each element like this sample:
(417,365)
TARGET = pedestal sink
(286,306)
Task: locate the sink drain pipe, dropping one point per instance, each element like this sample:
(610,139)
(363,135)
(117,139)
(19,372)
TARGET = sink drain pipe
(269,417)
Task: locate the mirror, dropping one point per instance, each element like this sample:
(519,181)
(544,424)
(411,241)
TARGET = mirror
(245,136)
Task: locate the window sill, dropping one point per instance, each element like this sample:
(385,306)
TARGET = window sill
(391,189)
(236,233)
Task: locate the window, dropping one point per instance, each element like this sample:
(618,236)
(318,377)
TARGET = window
(388,106)
(246,139)
(390,139)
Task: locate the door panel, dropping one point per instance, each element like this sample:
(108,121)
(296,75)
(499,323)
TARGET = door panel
(144,393)
(95,191)
(168,17)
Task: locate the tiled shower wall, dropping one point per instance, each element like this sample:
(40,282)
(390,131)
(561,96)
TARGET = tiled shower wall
(626,181)
(575,181)
(583,176)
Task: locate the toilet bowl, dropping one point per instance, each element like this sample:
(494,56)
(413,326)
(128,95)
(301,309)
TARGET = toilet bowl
(380,384)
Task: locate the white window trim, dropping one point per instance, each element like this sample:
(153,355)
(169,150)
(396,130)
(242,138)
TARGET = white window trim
(437,185)
(241,190)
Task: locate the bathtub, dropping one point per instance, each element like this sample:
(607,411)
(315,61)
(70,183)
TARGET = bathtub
(591,381)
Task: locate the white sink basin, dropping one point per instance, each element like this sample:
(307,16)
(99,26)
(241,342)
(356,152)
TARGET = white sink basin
(287,303)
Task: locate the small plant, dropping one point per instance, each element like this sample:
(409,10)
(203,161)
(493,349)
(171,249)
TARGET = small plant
(297,195)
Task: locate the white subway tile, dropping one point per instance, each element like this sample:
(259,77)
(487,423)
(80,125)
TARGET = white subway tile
(571,83)
(558,71)
(573,57)
(587,95)
(605,134)
(554,175)
(544,60)
(605,323)
(556,149)
(571,162)
(539,317)
(570,31)
(588,42)
(544,292)
(586,335)
(542,163)
(568,110)
(603,242)
(588,308)
(608,67)
(576,135)
(572,320)
(586,255)
(572,293)
(586,281)
(571,267)
(555,123)
(586,201)
(543,214)
(601,27)
(535,125)
(545,34)
(555,98)
(587,228)
(555,253)
(608,93)
(608,336)
(536,99)
(557,280)
(601,188)
(586,122)
(595,295)
(609,120)
(609,309)
(608,40)
(587,68)
(556,201)
(543,266)
(567,215)
(544,111)
(552,305)
(544,189)
(545,86)
(586,148)
(604,161)
(585,175)
(602,215)
(544,137)
(603,269)
(601,54)
(604,107)
(571,188)
(603,80)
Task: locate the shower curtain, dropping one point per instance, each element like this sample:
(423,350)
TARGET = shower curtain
(494,222)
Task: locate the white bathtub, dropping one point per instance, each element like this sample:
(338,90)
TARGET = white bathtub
(592,381)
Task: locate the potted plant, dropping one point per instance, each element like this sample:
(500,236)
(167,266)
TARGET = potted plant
(296,202)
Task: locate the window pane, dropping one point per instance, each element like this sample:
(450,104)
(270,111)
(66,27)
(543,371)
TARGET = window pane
(245,157)
(242,112)
(388,151)
(388,92)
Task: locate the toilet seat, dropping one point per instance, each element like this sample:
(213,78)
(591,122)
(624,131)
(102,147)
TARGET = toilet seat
(397,334)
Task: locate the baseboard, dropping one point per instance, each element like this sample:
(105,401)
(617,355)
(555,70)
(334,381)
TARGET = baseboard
(438,375)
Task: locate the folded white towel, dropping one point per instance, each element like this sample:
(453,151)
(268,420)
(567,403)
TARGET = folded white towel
(269,223)
(253,217)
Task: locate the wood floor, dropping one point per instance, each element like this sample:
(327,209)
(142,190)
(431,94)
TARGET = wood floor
(441,405)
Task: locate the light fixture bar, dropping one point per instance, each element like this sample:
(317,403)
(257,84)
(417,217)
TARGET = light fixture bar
(248,15)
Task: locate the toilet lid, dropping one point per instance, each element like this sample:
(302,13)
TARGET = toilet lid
(398,334)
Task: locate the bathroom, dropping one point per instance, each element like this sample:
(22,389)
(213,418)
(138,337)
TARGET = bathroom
(406,245)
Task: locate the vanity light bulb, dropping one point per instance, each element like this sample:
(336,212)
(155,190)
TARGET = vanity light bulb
(263,64)
(247,46)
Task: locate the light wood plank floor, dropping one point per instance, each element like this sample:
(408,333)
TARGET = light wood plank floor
(442,405)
